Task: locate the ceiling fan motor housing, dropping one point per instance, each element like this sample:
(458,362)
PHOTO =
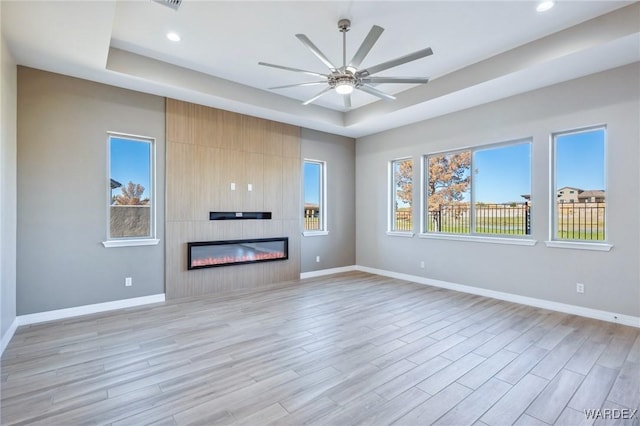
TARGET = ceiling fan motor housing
(344,25)
(340,79)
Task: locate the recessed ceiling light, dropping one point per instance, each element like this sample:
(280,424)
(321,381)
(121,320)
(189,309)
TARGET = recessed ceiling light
(173,36)
(545,5)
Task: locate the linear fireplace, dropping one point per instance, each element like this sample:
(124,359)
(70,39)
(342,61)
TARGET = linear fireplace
(210,254)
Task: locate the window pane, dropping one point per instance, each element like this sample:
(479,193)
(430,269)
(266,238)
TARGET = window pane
(448,193)
(131,191)
(502,188)
(402,195)
(313,196)
(580,185)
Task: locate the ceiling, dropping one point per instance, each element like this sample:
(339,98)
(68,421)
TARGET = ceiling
(483,51)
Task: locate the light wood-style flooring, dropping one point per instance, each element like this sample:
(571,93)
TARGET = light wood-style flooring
(346,349)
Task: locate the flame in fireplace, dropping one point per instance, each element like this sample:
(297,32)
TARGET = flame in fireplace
(222,260)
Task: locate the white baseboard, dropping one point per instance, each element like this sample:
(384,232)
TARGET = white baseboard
(6,337)
(324,272)
(88,309)
(509,297)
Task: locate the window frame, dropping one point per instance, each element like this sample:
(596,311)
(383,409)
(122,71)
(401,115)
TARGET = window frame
(525,239)
(151,239)
(322,208)
(391,198)
(554,241)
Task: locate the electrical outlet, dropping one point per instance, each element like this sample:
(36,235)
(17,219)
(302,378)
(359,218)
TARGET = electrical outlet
(579,288)
(128,282)
(233,186)
(249,187)
(318,259)
(422,264)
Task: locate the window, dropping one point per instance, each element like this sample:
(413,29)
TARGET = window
(578,158)
(314,212)
(131,211)
(401,195)
(493,200)
(449,192)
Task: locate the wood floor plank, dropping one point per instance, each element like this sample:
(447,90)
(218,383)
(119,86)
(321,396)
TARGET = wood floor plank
(616,352)
(625,390)
(522,365)
(316,409)
(411,378)
(487,369)
(394,409)
(435,407)
(351,348)
(570,416)
(514,403)
(551,401)
(585,358)
(475,405)
(556,359)
(594,389)
(450,373)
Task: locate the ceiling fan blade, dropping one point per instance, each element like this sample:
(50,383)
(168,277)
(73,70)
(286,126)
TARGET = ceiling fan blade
(317,74)
(347,101)
(325,91)
(305,40)
(375,92)
(313,83)
(395,62)
(379,80)
(366,46)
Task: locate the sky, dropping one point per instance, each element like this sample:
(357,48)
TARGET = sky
(580,160)
(503,174)
(129,161)
(311,183)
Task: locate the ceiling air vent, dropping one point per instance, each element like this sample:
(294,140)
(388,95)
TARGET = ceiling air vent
(173,4)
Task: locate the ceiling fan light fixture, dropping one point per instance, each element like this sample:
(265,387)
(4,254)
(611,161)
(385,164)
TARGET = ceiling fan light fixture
(344,87)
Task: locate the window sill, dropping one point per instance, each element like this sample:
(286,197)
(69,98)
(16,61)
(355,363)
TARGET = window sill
(314,233)
(131,243)
(400,234)
(479,239)
(579,245)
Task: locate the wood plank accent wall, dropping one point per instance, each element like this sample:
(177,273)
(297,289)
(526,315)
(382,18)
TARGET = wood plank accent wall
(207,150)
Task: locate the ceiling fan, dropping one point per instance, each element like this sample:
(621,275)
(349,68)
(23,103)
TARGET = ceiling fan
(348,77)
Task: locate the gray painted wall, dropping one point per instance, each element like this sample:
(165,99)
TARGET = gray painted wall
(62,178)
(611,278)
(8,94)
(338,247)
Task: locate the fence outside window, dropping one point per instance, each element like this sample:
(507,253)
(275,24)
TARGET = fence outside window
(403,220)
(581,221)
(499,219)
(311,219)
